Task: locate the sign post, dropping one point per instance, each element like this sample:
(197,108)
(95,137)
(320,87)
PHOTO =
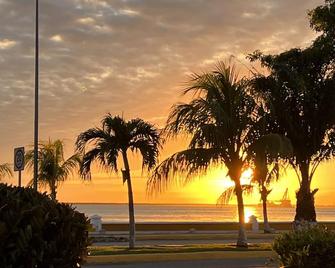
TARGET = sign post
(19,161)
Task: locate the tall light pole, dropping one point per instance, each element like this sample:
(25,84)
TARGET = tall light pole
(36,99)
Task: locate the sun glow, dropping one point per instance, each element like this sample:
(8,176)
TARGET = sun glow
(248,211)
(225,183)
(246,176)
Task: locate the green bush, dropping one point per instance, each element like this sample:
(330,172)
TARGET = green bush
(308,247)
(38,232)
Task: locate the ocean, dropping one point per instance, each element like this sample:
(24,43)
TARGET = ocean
(118,213)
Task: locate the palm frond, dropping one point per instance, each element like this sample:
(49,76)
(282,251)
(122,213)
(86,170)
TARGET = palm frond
(182,167)
(220,98)
(230,192)
(274,145)
(89,136)
(273,174)
(145,138)
(107,158)
(226,196)
(5,171)
(186,117)
(115,126)
(209,136)
(68,167)
(52,168)
(58,147)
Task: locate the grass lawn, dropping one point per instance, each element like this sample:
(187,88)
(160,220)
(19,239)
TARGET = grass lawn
(141,237)
(121,255)
(122,250)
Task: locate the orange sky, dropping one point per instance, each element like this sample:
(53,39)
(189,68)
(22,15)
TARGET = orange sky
(108,188)
(132,58)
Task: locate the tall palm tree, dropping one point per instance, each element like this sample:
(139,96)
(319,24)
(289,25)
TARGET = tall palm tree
(115,138)
(267,155)
(220,120)
(53,168)
(5,170)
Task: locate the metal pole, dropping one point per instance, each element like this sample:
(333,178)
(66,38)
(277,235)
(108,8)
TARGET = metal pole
(36,100)
(19,178)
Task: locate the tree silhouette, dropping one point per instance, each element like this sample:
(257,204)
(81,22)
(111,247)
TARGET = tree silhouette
(115,138)
(299,93)
(268,155)
(220,121)
(53,168)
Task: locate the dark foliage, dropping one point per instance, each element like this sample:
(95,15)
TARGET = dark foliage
(300,95)
(38,232)
(308,247)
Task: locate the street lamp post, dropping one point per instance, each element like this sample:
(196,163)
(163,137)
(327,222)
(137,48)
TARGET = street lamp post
(36,99)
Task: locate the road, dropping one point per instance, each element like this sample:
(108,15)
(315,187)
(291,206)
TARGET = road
(228,263)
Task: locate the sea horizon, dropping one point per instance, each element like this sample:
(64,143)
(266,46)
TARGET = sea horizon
(181,204)
(177,213)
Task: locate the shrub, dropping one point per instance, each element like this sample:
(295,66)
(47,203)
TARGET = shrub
(309,246)
(38,232)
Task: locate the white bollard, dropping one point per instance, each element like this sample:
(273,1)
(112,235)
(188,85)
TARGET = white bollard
(96,223)
(254,223)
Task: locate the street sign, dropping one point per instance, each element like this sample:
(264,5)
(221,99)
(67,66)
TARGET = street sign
(19,159)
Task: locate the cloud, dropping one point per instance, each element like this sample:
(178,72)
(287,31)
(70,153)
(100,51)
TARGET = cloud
(124,56)
(6,44)
(56,38)
(86,20)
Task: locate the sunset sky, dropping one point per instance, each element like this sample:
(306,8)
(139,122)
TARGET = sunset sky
(132,57)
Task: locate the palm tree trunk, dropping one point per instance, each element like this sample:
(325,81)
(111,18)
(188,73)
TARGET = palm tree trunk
(130,202)
(242,236)
(305,210)
(267,228)
(53,189)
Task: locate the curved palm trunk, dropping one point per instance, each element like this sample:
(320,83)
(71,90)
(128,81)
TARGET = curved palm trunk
(264,195)
(305,210)
(130,202)
(242,236)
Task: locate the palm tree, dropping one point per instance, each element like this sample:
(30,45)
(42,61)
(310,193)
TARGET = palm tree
(5,170)
(53,169)
(268,154)
(115,138)
(220,120)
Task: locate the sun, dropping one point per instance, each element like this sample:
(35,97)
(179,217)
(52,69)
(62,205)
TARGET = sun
(246,176)
(225,182)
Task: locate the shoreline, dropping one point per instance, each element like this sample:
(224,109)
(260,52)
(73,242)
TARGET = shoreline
(200,226)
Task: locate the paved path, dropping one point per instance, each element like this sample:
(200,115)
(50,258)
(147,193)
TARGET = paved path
(228,263)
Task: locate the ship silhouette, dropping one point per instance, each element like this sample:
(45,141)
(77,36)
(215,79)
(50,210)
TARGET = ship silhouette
(283,202)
